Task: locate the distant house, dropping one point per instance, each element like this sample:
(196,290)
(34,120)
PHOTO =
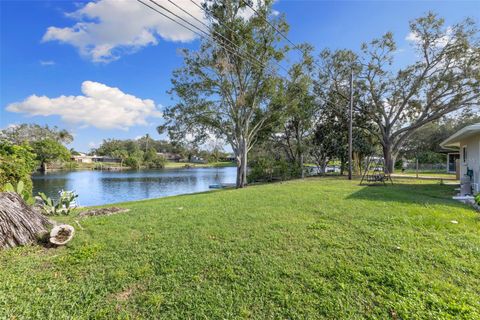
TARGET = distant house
(82,158)
(105,159)
(196,159)
(175,157)
(467,143)
(231,157)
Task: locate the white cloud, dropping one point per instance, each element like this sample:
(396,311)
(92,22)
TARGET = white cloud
(100,106)
(412,37)
(47,62)
(106,29)
(439,43)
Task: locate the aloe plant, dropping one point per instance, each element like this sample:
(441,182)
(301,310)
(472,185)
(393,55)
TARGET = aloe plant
(61,206)
(20,190)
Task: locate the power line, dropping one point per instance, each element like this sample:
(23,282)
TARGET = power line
(234,48)
(190,29)
(170,18)
(276,29)
(202,36)
(213,31)
(209,13)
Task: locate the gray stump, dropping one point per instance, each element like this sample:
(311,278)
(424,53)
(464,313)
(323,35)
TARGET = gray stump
(19,224)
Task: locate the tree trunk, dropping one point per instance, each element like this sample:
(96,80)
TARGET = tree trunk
(301,166)
(19,224)
(389,157)
(242,165)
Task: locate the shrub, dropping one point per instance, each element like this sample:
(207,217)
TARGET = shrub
(268,169)
(133,162)
(61,206)
(20,190)
(157,162)
(16,164)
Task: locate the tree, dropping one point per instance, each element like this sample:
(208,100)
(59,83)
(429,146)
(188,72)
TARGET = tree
(300,109)
(121,154)
(135,159)
(17,163)
(224,93)
(48,150)
(19,134)
(445,78)
(429,137)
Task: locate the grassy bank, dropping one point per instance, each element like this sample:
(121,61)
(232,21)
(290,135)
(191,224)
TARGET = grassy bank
(319,248)
(220,164)
(168,165)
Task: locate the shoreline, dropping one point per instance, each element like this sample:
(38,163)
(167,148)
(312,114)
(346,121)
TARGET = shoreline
(167,167)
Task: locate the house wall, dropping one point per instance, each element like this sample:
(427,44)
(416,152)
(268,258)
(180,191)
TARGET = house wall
(473,158)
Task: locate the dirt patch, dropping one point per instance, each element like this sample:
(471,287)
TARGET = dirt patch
(102,212)
(124,295)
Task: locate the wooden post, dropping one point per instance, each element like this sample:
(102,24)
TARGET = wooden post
(417,168)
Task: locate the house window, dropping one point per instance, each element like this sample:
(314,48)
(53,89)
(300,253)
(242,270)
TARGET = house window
(465,154)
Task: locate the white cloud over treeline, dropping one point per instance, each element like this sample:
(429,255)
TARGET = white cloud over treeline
(100,106)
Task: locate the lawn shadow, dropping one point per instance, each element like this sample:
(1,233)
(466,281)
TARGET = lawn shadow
(422,193)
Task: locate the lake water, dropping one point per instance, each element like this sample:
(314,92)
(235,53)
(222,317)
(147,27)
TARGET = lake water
(104,187)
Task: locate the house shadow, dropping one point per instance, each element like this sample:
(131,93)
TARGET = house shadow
(422,194)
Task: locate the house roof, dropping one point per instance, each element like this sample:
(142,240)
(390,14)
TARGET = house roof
(454,140)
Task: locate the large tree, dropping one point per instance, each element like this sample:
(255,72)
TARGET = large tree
(18,134)
(48,150)
(225,87)
(445,78)
(300,110)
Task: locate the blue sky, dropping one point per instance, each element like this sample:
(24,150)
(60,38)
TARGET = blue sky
(108,81)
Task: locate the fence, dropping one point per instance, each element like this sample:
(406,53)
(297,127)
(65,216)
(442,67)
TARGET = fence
(425,167)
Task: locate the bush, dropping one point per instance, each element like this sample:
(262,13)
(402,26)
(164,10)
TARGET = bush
(477,199)
(133,162)
(399,164)
(156,163)
(61,206)
(268,169)
(431,157)
(17,163)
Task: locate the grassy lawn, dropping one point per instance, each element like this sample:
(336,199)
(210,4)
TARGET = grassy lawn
(319,248)
(174,165)
(425,174)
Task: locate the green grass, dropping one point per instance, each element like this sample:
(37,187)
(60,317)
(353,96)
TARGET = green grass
(319,248)
(173,165)
(426,174)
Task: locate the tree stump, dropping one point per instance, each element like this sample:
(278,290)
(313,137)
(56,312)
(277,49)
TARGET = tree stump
(61,234)
(19,224)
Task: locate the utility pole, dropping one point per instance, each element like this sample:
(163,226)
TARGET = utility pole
(350,130)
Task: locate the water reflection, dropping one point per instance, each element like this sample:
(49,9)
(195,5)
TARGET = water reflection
(102,187)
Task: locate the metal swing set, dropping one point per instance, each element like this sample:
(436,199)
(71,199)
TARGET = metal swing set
(376,172)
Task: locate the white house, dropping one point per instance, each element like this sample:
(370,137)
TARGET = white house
(82,158)
(467,141)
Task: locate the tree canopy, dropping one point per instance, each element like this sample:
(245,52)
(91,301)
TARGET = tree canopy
(226,87)
(444,78)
